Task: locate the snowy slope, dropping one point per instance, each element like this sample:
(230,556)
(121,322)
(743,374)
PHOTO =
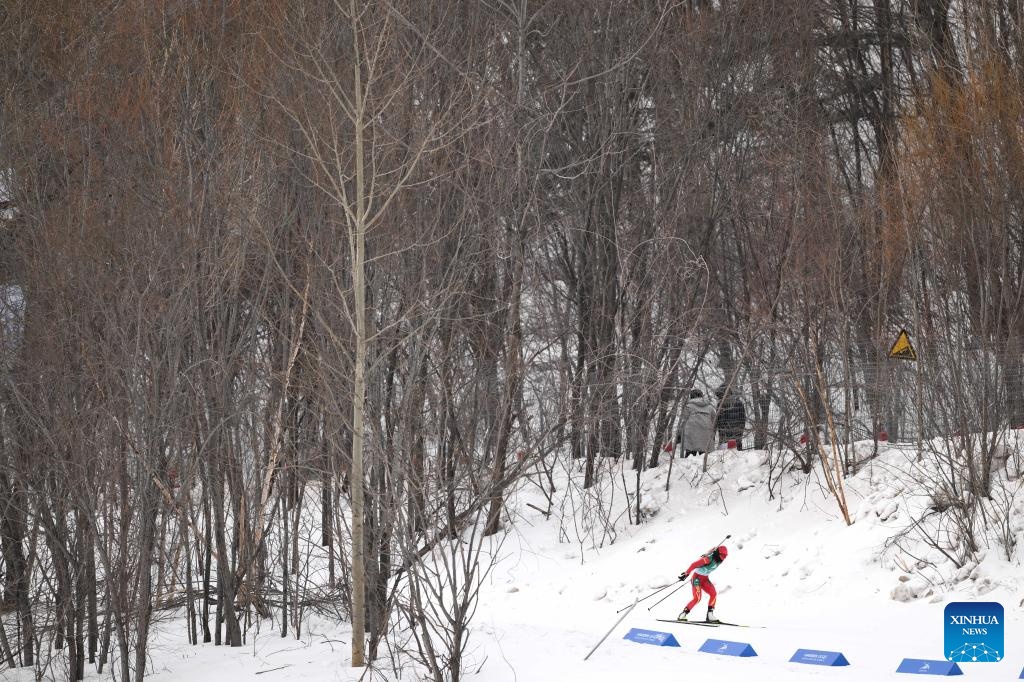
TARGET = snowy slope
(794,567)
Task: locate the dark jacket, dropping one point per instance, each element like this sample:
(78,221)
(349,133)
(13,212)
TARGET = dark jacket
(732,417)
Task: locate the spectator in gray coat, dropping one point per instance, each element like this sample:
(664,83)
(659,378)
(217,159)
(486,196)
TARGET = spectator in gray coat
(696,429)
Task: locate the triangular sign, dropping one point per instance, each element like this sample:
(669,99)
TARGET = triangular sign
(902,349)
(651,637)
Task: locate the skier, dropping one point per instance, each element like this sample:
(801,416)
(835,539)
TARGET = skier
(700,569)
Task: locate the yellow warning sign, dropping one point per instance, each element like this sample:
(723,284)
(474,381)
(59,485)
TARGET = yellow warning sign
(902,349)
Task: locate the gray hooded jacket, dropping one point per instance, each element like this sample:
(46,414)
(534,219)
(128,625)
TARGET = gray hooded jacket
(696,428)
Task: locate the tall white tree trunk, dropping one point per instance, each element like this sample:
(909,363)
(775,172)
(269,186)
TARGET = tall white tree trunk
(357,241)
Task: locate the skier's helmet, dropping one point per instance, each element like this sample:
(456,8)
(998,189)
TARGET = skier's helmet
(722,552)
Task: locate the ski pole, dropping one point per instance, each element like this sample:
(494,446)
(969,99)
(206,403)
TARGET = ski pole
(665,587)
(723,540)
(630,607)
(668,595)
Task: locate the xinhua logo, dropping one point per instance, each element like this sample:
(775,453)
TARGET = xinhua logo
(974,632)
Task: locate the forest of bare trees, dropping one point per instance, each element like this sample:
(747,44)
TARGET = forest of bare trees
(295,292)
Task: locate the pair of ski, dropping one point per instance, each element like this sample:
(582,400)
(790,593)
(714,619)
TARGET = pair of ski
(706,624)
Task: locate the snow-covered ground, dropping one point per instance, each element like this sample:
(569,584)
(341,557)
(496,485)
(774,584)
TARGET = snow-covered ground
(794,568)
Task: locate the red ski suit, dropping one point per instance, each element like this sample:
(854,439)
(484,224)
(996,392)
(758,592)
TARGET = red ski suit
(699,570)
